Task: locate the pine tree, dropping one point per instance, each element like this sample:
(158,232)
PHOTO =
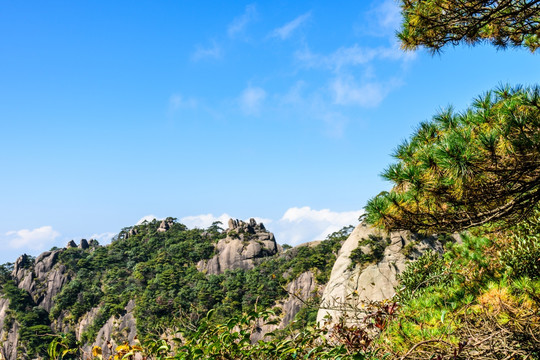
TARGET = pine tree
(435,23)
(466,169)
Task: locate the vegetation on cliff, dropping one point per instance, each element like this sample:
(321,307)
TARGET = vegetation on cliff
(158,270)
(476,170)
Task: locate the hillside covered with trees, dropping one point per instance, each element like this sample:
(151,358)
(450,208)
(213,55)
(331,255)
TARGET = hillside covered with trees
(159,272)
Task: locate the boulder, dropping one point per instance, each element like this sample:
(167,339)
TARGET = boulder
(244,243)
(165,225)
(84,244)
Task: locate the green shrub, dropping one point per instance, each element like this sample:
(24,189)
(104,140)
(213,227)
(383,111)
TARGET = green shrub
(428,270)
(376,244)
(522,256)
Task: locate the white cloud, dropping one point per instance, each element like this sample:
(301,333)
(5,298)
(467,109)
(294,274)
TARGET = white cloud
(346,92)
(348,56)
(388,15)
(212,52)
(177,101)
(383,20)
(299,225)
(103,238)
(286,30)
(205,220)
(147,218)
(251,100)
(294,96)
(36,239)
(318,105)
(239,24)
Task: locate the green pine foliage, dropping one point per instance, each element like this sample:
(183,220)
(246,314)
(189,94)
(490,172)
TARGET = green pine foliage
(462,170)
(428,270)
(469,303)
(373,252)
(521,256)
(436,23)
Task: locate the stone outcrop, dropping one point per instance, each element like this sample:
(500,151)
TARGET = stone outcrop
(44,280)
(165,225)
(354,285)
(115,332)
(84,244)
(244,244)
(301,290)
(8,333)
(9,337)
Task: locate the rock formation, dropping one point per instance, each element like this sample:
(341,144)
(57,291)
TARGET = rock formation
(115,332)
(43,279)
(301,290)
(353,285)
(9,334)
(165,225)
(244,243)
(84,244)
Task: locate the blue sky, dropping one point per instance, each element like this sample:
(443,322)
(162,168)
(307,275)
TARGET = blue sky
(284,111)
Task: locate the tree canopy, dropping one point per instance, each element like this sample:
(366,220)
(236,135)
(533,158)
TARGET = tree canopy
(461,170)
(435,23)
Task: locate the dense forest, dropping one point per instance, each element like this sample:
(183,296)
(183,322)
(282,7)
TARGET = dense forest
(158,271)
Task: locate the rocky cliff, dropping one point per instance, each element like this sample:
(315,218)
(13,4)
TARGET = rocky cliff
(42,279)
(244,244)
(366,268)
(56,276)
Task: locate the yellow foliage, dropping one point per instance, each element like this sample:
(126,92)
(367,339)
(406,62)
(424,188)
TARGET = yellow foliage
(122,348)
(97,352)
(496,299)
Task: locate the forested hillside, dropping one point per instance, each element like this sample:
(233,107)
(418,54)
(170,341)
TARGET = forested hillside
(155,272)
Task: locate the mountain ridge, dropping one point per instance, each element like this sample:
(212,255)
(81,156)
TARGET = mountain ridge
(150,275)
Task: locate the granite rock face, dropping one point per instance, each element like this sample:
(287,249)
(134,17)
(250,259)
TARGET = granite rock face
(43,279)
(8,333)
(115,332)
(165,225)
(374,281)
(244,244)
(301,290)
